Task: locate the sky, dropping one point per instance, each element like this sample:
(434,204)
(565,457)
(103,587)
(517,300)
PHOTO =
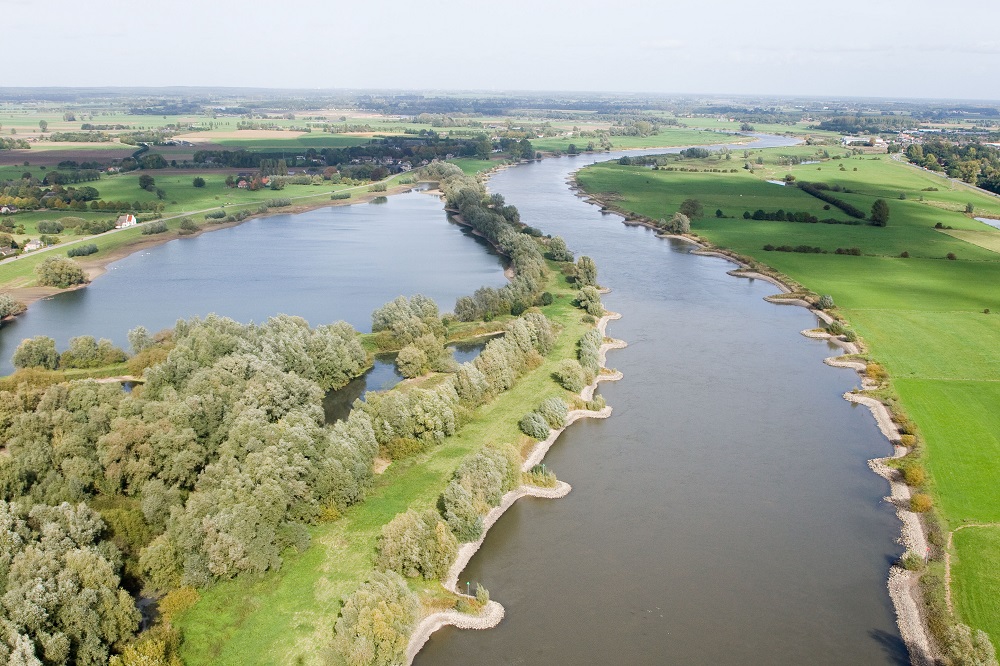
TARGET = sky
(841,48)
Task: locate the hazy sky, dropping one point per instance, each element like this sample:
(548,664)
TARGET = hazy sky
(884,48)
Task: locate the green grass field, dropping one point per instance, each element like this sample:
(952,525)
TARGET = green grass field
(666,138)
(922,317)
(287,616)
(976,578)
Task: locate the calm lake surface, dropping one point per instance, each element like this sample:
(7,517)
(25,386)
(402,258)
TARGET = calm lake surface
(324,265)
(724,514)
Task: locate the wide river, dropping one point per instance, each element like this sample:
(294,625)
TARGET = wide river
(724,514)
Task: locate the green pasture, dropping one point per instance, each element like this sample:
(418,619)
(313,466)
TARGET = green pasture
(286,617)
(922,317)
(667,138)
(976,578)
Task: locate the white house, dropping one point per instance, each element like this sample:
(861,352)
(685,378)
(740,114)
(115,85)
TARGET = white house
(125,221)
(33,245)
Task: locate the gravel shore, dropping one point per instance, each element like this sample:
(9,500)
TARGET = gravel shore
(492,614)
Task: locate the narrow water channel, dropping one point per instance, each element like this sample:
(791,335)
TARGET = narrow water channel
(724,514)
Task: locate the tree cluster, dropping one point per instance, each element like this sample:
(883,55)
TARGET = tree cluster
(59,272)
(820,191)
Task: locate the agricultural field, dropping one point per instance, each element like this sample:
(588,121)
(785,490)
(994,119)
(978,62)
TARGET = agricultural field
(931,317)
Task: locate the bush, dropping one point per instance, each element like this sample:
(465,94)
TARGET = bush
(157,227)
(825,302)
(278,203)
(377,187)
(589,299)
(37,352)
(82,250)
(376,621)
(951,256)
(546,298)
(59,272)
(554,411)
(533,425)
(835,328)
(963,646)
(9,306)
(539,476)
(912,562)
(913,474)
(416,545)
(478,485)
(340,195)
(49,227)
(920,503)
(215,215)
(412,361)
(188,226)
(569,374)
(198,181)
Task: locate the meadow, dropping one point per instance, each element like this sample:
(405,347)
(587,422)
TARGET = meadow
(931,321)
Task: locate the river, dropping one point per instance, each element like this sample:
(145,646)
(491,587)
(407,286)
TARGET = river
(725,513)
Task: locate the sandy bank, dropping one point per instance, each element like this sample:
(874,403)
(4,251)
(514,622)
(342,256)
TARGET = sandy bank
(493,613)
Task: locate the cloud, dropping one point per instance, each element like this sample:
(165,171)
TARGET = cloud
(663,44)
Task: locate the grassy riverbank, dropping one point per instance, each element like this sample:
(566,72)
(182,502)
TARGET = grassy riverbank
(929,317)
(287,617)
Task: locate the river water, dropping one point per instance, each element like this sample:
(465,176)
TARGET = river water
(324,265)
(724,514)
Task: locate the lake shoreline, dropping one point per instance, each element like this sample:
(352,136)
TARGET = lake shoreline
(493,613)
(903,585)
(95,268)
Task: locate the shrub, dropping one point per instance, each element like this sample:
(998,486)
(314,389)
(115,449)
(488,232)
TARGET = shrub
(569,374)
(188,226)
(416,544)
(49,227)
(37,352)
(596,404)
(376,621)
(951,256)
(850,336)
(340,195)
(278,203)
(377,187)
(59,272)
(546,298)
(554,411)
(912,562)
(157,227)
(215,215)
(9,306)
(963,646)
(539,476)
(904,254)
(589,299)
(198,181)
(482,594)
(533,425)
(825,302)
(835,328)
(412,361)
(913,474)
(920,503)
(82,250)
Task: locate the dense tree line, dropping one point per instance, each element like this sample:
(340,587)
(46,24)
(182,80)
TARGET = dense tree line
(821,192)
(790,216)
(209,470)
(975,163)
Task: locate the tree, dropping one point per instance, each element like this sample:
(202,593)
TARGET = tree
(43,125)
(586,271)
(37,352)
(880,213)
(692,208)
(375,622)
(146,182)
(59,272)
(198,181)
(678,224)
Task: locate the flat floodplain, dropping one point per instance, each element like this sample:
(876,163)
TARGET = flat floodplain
(932,320)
